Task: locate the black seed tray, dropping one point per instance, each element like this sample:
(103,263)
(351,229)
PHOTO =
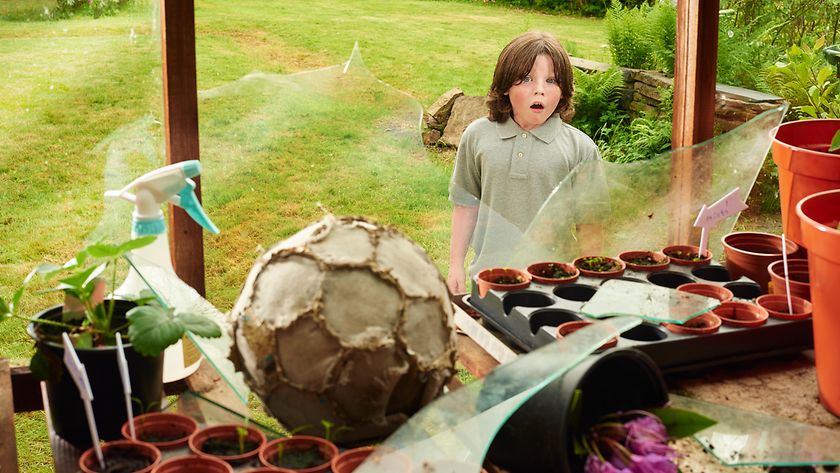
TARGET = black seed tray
(529,318)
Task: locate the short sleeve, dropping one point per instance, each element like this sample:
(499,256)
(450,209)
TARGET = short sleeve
(465,185)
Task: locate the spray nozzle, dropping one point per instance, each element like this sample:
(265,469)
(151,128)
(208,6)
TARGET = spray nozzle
(167,184)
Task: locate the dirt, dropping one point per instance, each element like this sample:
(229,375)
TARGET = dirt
(227,447)
(123,460)
(300,459)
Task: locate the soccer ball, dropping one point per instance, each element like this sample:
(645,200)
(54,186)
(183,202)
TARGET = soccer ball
(348,322)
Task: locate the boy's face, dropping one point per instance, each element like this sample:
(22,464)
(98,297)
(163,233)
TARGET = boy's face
(535,97)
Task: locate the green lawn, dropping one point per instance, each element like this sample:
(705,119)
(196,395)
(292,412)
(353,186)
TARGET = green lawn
(81,92)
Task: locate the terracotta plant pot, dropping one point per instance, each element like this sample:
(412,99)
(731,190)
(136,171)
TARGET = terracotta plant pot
(805,167)
(679,254)
(296,444)
(545,272)
(749,253)
(266,469)
(568,327)
(584,264)
(227,433)
(489,279)
(193,464)
(700,325)
(164,430)
(820,214)
(449,466)
(348,461)
(658,261)
(709,290)
(128,452)
(777,306)
(741,314)
(799,279)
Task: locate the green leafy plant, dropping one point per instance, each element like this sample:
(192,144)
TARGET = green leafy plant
(807,81)
(90,320)
(835,143)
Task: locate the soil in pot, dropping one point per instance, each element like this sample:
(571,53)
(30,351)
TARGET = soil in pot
(121,456)
(223,447)
(164,430)
(232,443)
(741,314)
(553,272)
(502,279)
(600,266)
(644,260)
(300,452)
(702,324)
(687,255)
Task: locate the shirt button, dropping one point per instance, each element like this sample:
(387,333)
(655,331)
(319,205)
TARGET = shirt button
(520,155)
(524,135)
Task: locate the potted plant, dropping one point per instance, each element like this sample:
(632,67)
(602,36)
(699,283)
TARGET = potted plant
(91,321)
(501,279)
(801,152)
(193,464)
(235,444)
(553,272)
(645,260)
(749,253)
(687,255)
(300,453)
(164,430)
(820,217)
(573,325)
(125,456)
(600,266)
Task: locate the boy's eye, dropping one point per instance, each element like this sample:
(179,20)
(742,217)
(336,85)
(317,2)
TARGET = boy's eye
(552,81)
(527,78)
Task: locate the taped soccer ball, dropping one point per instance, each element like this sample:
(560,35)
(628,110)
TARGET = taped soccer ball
(348,322)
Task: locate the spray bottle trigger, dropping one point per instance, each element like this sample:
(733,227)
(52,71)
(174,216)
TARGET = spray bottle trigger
(189,202)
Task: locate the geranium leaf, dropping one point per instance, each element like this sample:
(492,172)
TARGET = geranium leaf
(199,325)
(83,340)
(682,423)
(152,329)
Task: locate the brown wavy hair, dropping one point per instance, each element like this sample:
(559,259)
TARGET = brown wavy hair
(515,63)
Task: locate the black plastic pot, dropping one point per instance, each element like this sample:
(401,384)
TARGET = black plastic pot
(66,409)
(617,380)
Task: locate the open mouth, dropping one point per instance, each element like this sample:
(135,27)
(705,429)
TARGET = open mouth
(537,106)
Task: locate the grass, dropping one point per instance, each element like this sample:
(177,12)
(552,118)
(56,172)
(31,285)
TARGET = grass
(78,90)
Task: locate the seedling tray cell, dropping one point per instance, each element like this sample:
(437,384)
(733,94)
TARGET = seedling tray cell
(529,318)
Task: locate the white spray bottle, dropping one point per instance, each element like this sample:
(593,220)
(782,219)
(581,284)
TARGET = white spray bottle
(168,184)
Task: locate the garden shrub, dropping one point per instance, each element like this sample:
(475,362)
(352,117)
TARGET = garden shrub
(643,138)
(597,99)
(788,22)
(743,55)
(629,37)
(571,7)
(96,8)
(807,81)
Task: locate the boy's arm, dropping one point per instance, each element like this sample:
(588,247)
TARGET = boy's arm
(463,224)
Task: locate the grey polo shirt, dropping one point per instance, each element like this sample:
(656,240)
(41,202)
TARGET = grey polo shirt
(508,173)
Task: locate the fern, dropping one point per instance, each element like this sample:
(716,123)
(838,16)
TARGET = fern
(807,81)
(597,98)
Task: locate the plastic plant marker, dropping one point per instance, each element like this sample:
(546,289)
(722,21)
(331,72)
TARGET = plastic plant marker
(708,217)
(650,302)
(787,278)
(462,424)
(742,438)
(79,375)
(122,364)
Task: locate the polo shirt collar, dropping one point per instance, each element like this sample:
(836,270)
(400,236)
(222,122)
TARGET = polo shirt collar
(545,132)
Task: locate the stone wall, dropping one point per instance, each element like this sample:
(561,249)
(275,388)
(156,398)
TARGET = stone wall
(447,118)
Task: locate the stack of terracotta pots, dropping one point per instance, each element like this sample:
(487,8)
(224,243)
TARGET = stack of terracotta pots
(809,182)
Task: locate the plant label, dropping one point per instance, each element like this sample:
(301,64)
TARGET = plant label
(76,369)
(728,205)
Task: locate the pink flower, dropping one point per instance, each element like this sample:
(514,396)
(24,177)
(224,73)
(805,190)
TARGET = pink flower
(595,465)
(652,463)
(647,435)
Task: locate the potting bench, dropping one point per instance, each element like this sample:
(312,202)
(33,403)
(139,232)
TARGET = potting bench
(783,386)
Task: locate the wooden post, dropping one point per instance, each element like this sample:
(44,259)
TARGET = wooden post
(8,444)
(695,77)
(180,105)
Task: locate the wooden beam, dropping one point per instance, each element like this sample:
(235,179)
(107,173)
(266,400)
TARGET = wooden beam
(695,77)
(180,104)
(8,444)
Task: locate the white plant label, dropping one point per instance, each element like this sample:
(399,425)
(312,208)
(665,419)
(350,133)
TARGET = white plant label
(709,216)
